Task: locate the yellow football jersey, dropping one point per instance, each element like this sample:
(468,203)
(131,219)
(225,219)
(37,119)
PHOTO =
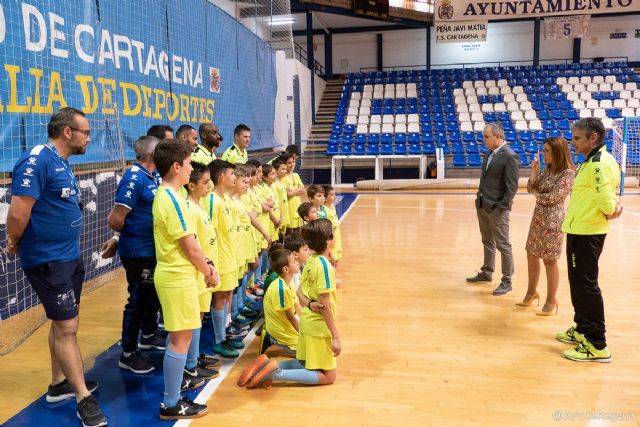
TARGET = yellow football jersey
(280,296)
(219,211)
(318,278)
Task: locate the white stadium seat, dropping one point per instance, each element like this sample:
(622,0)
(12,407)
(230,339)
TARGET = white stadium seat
(352,120)
(365,111)
(579,88)
(362,129)
(522,97)
(387,128)
(474,108)
(617,87)
(376,119)
(478,126)
(585,80)
(467,84)
(412,93)
(633,103)
(461,108)
(505,90)
(585,113)
(597,79)
(625,94)
(365,103)
(535,125)
(518,89)
(401,128)
(579,104)
(469,91)
(401,86)
(592,104)
(607,122)
(606,103)
(477,117)
(521,125)
(458,92)
(478,83)
(413,128)
(494,90)
(585,96)
(356,96)
(368,88)
(503,83)
(481,91)
(592,87)
(628,112)
(599,113)
(411,86)
(464,117)
(472,99)
(516,115)
(604,87)
(388,119)
(526,106)
(413,118)
(574,96)
(354,103)
(401,119)
(363,120)
(375,128)
(619,103)
(352,111)
(467,126)
(513,106)
(610,79)
(636,94)
(378,95)
(367,95)
(499,107)
(573,80)
(487,108)
(459,99)
(561,81)
(389,86)
(378,87)
(509,98)
(530,115)
(490,83)
(566,88)
(631,86)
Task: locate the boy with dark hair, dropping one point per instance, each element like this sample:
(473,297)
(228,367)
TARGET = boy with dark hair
(308,212)
(316,196)
(179,258)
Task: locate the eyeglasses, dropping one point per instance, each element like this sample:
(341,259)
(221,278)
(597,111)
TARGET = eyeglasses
(86,132)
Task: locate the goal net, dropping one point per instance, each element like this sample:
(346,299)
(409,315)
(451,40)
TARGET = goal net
(626,148)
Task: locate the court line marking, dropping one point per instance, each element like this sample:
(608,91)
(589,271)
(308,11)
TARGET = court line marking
(211,387)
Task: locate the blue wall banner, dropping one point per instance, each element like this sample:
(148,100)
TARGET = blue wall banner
(493,10)
(129,65)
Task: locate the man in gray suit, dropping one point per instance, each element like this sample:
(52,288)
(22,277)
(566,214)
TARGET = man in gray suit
(498,186)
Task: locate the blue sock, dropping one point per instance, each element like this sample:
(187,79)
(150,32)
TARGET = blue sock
(226,312)
(300,376)
(218,319)
(173,366)
(243,288)
(194,349)
(256,272)
(291,364)
(264,262)
(234,303)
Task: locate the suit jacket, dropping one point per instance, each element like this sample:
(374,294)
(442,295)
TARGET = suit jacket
(499,181)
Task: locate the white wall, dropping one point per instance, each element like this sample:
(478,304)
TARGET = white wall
(286,69)
(506,41)
(599,43)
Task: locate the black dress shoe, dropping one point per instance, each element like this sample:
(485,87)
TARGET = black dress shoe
(480,277)
(502,289)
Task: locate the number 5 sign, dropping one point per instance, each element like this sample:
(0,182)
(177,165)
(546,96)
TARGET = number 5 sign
(562,27)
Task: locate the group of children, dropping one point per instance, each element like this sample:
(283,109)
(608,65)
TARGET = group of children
(222,233)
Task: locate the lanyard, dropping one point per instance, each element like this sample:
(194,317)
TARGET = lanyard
(68,169)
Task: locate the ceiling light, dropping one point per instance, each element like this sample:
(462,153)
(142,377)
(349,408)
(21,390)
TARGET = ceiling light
(283,22)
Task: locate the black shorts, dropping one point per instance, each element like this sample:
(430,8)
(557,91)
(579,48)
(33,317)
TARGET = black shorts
(58,285)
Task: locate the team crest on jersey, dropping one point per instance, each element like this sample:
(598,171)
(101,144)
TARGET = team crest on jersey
(28,172)
(132,185)
(127,194)
(32,161)
(134,177)
(26,182)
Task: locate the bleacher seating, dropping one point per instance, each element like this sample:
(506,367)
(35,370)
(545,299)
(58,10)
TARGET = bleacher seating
(415,111)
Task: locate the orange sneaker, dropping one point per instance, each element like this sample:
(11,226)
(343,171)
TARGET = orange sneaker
(263,374)
(251,370)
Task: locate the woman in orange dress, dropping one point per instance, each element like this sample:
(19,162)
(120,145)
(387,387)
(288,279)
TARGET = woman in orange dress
(544,242)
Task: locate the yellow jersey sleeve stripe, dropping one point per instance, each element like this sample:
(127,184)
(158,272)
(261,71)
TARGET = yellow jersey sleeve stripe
(179,212)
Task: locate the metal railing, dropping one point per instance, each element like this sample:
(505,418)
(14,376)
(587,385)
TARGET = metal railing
(496,63)
(302,56)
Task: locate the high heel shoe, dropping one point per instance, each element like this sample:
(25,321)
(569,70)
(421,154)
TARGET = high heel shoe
(547,313)
(527,302)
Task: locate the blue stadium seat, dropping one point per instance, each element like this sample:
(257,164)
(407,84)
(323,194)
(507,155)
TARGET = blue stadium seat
(549,125)
(401,149)
(361,138)
(374,138)
(346,150)
(359,149)
(459,160)
(517,147)
(414,138)
(468,137)
(479,137)
(614,113)
(386,149)
(350,129)
(490,117)
(526,135)
(540,135)
(429,148)
(510,135)
(557,114)
(427,138)
(474,160)
(332,149)
(531,147)
(337,129)
(567,135)
(524,160)
(457,148)
(572,115)
(415,148)
(387,138)
(373,149)
(472,148)
(555,133)
(401,138)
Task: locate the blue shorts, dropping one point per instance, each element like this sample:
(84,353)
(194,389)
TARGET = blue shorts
(59,286)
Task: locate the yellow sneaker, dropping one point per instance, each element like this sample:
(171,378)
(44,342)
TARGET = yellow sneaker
(570,336)
(586,352)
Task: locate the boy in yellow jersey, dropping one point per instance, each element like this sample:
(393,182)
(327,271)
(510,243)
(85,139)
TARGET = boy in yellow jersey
(217,205)
(281,306)
(315,193)
(280,167)
(318,340)
(246,249)
(265,216)
(307,212)
(180,258)
(295,189)
(262,208)
(197,188)
(269,178)
(332,215)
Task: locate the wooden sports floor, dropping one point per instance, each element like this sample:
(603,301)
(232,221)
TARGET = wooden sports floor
(421,347)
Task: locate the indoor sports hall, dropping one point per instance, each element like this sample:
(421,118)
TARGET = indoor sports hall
(472,146)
